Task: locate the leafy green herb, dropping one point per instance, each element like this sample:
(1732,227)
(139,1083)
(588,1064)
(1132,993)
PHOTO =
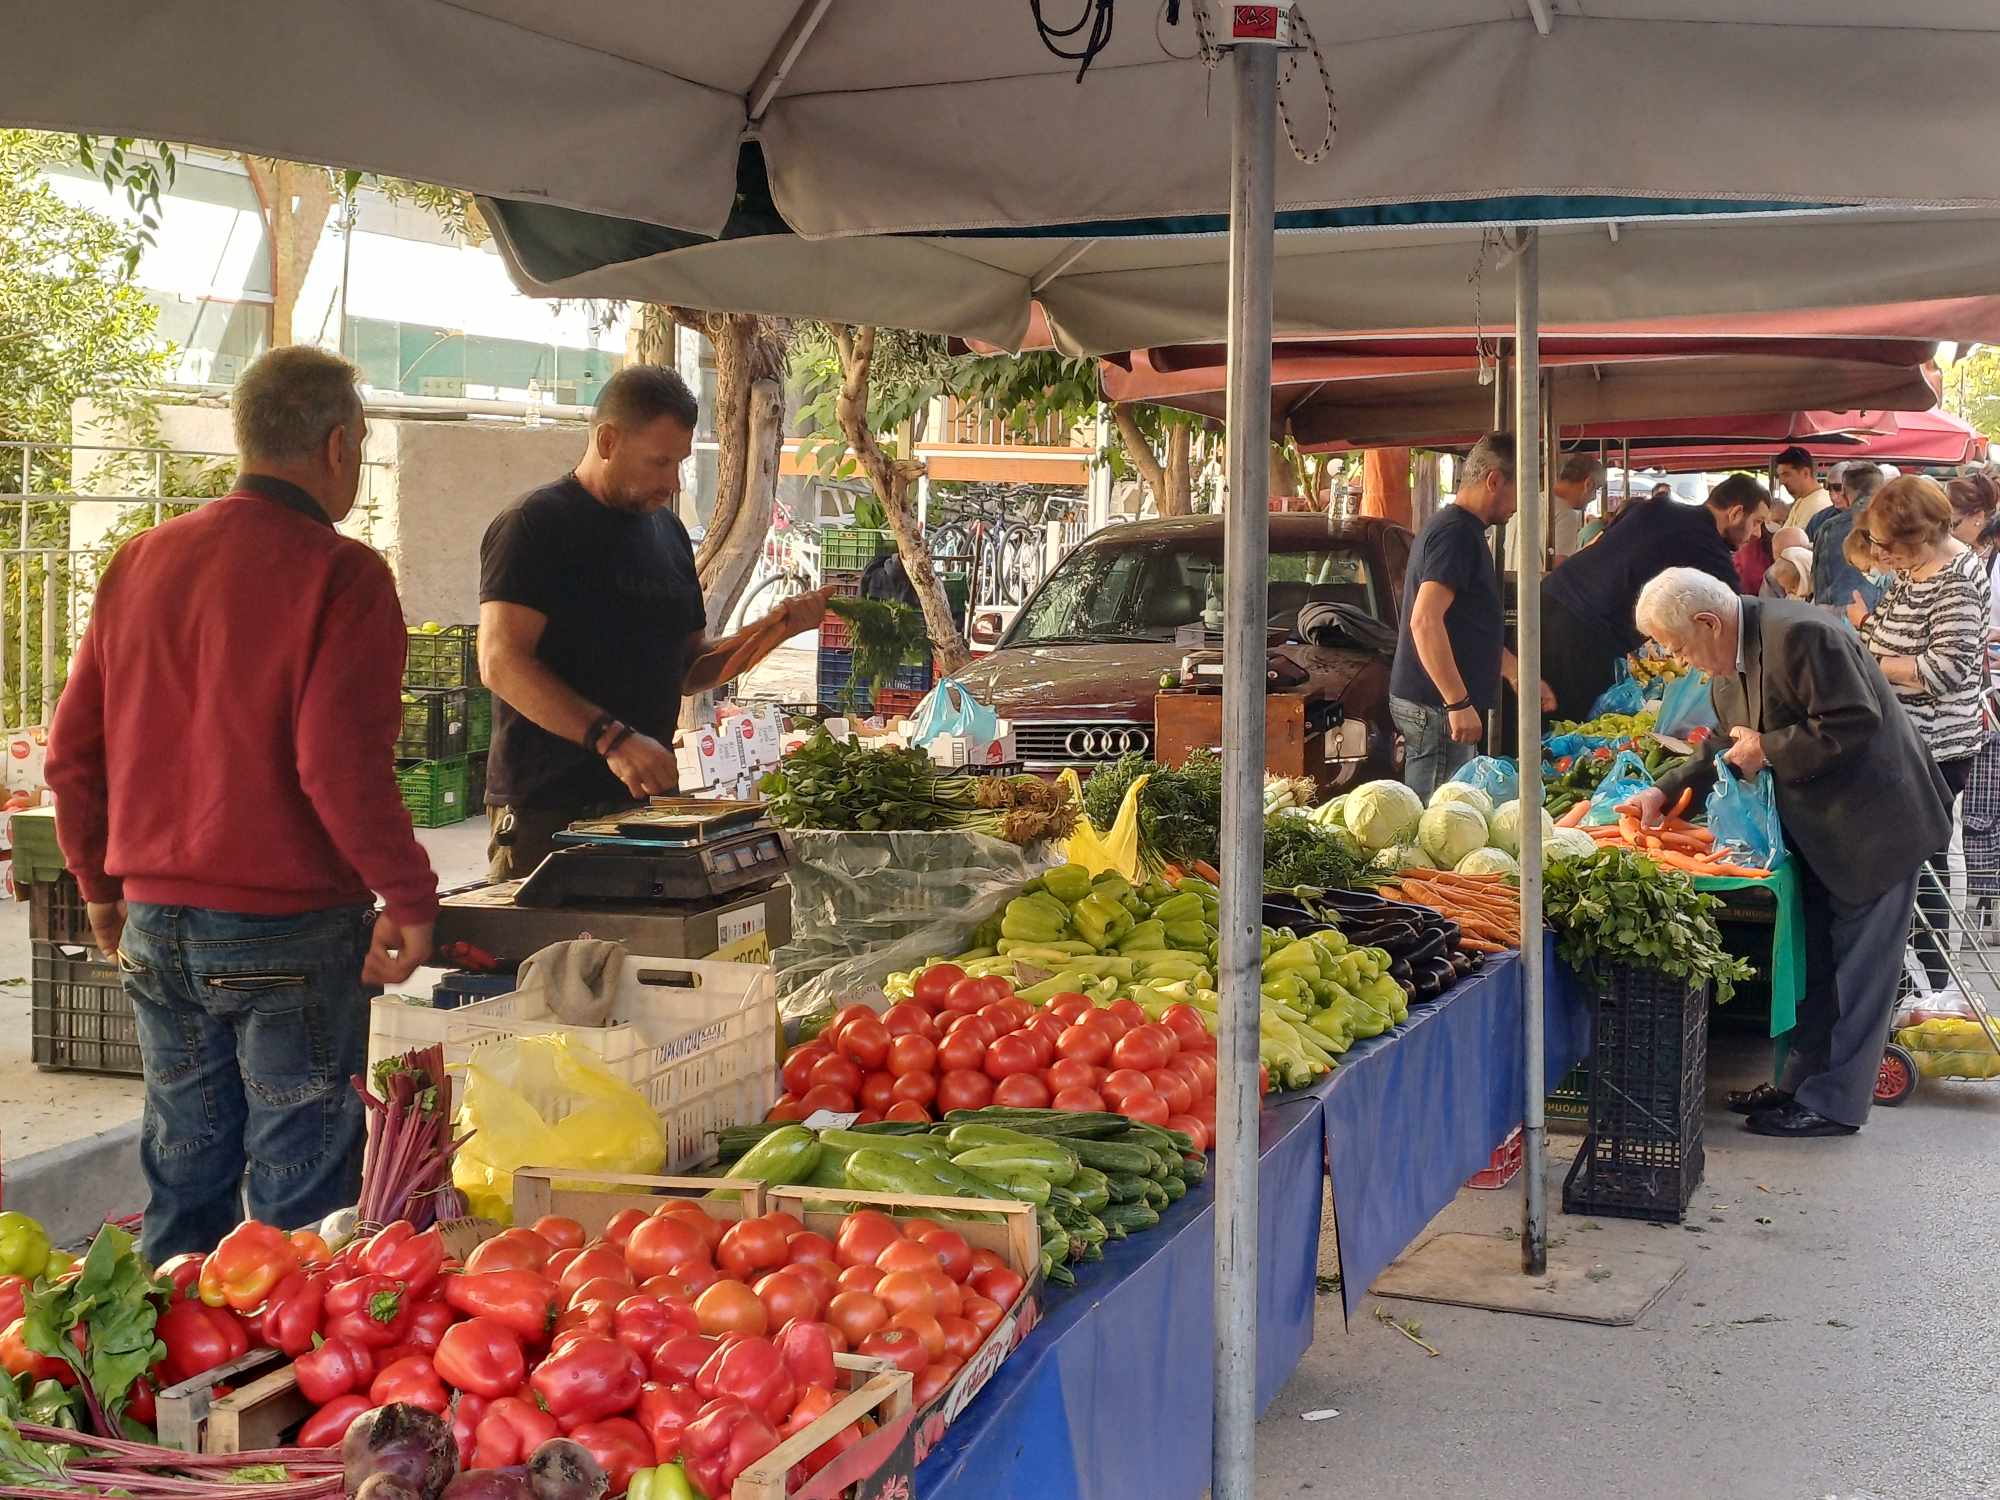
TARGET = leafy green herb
(113,1300)
(1180,811)
(886,635)
(48,1403)
(847,787)
(1299,852)
(1620,908)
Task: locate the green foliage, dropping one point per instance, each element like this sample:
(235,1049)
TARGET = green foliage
(1180,810)
(113,1300)
(1026,390)
(886,635)
(1972,387)
(908,371)
(1620,908)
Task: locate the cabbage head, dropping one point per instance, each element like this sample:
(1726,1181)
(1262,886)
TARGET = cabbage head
(1448,831)
(1504,830)
(1381,813)
(1488,862)
(1569,843)
(1400,857)
(1464,791)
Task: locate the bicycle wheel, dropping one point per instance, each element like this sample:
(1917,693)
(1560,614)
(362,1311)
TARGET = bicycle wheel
(761,599)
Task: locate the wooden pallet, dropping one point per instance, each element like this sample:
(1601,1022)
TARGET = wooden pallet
(184,1410)
(257,1415)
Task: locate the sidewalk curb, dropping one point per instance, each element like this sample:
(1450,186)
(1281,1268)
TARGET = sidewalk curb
(74,1187)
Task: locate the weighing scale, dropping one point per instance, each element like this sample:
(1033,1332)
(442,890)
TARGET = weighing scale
(673,849)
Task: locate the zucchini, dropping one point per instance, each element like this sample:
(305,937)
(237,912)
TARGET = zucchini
(830,1171)
(1028,1187)
(1061,1275)
(887,1172)
(1125,1187)
(1129,1217)
(1052,1163)
(928,1147)
(1113,1156)
(785,1156)
(969,1137)
(737,1139)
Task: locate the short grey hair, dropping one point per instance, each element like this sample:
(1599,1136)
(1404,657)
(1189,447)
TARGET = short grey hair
(1861,480)
(1493,452)
(289,399)
(1669,603)
(1581,468)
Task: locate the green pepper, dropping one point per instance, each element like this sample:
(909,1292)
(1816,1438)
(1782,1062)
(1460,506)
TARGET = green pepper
(1187,904)
(1111,885)
(1069,884)
(1190,933)
(1030,919)
(1198,886)
(1100,920)
(1151,933)
(24,1246)
(665,1482)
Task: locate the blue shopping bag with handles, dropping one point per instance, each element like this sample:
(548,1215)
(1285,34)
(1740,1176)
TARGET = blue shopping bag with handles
(1686,705)
(1627,778)
(1743,816)
(1624,696)
(1492,774)
(951,709)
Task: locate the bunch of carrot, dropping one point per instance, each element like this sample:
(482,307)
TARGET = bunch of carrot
(1485,907)
(1674,842)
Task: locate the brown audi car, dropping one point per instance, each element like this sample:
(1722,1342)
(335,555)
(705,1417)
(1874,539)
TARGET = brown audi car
(1077,670)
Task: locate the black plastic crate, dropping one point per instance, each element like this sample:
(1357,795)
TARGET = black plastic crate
(1648,1086)
(436,723)
(57,914)
(80,1020)
(478,720)
(447,658)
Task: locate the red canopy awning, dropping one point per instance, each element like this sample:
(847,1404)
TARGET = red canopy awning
(1930,439)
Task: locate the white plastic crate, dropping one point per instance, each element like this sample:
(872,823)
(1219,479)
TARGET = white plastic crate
(698,1039)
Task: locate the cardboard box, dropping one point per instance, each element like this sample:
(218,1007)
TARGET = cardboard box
(706,758)
(768,730)
(27,755)
(955,751)
(742,929)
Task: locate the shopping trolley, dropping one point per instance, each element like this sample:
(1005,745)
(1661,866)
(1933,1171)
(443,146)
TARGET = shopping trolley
(1947,1044)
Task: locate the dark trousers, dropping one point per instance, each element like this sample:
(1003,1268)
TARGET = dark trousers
(1579,658)
(1934,887)
(1854,958)
(520,838)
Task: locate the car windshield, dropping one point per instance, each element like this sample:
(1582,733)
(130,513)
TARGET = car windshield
(1152,591)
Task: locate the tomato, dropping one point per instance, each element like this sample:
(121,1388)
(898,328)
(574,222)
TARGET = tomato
(983,1261)
(947,1296)
(836,1101)
(731,1307)
(899,1346)
(1084,1043)
(1079,1101)
(599,1289)
(1173,1088)
(906,1291)
(934,1380)
(875,1090)
(860,1279)
(914,1088)
(786,1111)
(935,983)
(797,1072)
(864,1043)
(787,1295)
(1204,1111)
(866,1117)
(962,1088)
(823,1276)
(916,1229)
(961,1337)
(618,1228)
(1069,1073)
(1069,1005)
(1117,1084)
(966,996)
(1111,1025)
(908,1019)
(1021,1091)
(564,1234)
(597,1261)
(846,1016)
(837,1072)
(511,1250)
(698,1216)
(983,1313)
(856,1315)
(1205,1066)
(960,1052)
(910,1110)
(1000,1286)
(1182,1067)
(864,1235)
(953,1253)
(907,1255)
(1011,1054)
(1041,1044)
(912,1054)
(1186,1022)
(973,1026)
(805,1244)
(925,1327)
(1002,1016)
(1148,1108)
(1192,1128)
(1127,1010)
(1142,1048)
(750,1246)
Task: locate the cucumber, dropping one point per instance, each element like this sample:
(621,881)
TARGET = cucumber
(1175,1189)
(1125,1187)
(1156,1196)
(1061,1275)
(1113,1156)
(1041,1122)
(1028,1187)
(1193,1169)
(1130,1217)
(785,1156)
(893,1127)
(1167,1140)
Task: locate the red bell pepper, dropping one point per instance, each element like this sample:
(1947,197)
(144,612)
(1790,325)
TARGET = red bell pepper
(291,1319)
(183,1273)
(372,1310)
(13,1298)
(677,1360)
(428,1321)
(16,1358)
(807,1350)
(815,1402)
(620,1447)
(338,1367)
(590,1380)
(665,1411)
(243,1268)
(401,1254)
(511,1430)
(641,1324)
(482,1356)
(198,1338)
(311,1248)
(413,1382)
(721,1442)
(754,1373)
(523,1301)
(600,1318)
(327,1426)
(467,1412)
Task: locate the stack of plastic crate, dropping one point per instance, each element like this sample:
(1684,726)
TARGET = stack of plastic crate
(447,724)
(80,1020)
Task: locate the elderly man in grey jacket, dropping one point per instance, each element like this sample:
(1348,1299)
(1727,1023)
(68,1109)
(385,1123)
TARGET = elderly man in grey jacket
(1862,806)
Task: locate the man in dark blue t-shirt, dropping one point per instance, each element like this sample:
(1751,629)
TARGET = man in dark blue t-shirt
(1450,645)
(1587,601)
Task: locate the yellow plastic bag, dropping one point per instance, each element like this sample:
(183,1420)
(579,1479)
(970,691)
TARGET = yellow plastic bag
(536,1101)
(1117,850)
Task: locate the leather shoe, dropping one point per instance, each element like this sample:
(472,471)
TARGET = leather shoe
(1794,1119)
(1764,1096)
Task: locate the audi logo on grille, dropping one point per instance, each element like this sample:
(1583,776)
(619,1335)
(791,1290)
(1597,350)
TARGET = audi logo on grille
(1084,743)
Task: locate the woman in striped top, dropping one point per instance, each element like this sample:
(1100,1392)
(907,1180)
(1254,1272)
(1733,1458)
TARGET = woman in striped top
(1928,635)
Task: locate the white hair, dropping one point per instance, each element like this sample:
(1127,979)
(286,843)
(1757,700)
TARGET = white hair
(1669,603)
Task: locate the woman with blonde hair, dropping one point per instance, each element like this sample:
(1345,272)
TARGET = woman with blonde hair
(1975,508)
(1928,635)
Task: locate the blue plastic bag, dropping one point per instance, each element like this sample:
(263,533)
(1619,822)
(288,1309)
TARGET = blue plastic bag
(1686,705)
(1627,778)
(951,709)
(1492,774)
(1743,816)
(1624,696)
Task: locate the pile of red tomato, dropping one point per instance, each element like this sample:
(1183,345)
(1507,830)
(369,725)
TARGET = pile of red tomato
(964,1043)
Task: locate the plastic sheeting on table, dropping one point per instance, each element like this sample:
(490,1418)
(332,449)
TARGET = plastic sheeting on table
(1410,1116)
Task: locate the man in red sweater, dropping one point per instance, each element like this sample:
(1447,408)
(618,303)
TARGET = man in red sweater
(222,760)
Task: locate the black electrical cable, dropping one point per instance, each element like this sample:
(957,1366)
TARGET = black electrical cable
(1096,15)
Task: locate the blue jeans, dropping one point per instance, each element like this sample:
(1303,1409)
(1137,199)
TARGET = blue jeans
(1430,755)
(250,1028)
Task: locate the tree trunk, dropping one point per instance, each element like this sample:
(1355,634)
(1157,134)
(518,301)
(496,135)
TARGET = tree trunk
(1424,490)
(297,201)
(893,481)
(1385,484)
(1139,453)
(1178,499)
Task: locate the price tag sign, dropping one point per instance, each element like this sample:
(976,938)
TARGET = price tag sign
(826,1119)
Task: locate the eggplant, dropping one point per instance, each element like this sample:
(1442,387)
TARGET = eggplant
(1428,947)
(1401,973)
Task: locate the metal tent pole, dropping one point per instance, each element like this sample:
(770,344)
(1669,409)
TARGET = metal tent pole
(1528,435)
(1246,554)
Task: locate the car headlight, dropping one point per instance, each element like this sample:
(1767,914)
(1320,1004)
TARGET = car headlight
(1347,740)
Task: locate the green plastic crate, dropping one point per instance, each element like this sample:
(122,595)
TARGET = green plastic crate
(479,720)
(849,547)
(447,658)
(1568,1103)
(435,791)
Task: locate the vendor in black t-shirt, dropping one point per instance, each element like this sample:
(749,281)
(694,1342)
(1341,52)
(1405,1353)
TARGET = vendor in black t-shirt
(591,625)
(1587,601)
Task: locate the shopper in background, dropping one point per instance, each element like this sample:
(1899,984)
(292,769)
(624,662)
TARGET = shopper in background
(1928,635)
(1979,809)
(1450,647)
(1974,503)
(1789,577)
(1793,470)
(1862,804)
(223,764)
(1835,579)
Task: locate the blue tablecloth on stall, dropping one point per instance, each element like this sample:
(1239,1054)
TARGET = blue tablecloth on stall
(1111,1396)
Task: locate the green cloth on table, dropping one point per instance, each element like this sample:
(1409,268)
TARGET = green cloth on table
(36,856)
(1787,967)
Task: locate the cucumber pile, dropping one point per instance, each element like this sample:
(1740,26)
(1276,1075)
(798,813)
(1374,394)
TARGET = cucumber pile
(1091,1177)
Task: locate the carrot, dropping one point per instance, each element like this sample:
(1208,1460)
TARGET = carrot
(1687,796)
(1574,817)
(1480,945)
(1206,871)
